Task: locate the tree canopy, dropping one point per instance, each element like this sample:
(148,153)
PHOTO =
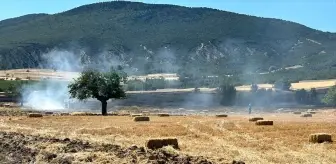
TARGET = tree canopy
(100,85)
(330,97)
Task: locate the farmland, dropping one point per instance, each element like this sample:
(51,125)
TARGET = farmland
(38,74)
(220,140)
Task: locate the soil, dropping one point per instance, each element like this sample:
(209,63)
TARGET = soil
(19,148)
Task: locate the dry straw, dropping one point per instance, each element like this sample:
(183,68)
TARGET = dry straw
(82,114)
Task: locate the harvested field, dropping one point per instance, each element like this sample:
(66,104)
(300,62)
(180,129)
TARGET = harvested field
(18,148)
(218,140)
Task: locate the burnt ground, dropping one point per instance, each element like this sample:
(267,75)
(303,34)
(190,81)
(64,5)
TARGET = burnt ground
(19,148)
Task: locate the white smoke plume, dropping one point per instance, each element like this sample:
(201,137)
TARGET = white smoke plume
(52,94)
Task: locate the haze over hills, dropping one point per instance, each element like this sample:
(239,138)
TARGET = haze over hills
(148,38)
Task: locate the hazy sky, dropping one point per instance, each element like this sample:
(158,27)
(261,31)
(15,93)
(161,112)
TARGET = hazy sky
(318,14)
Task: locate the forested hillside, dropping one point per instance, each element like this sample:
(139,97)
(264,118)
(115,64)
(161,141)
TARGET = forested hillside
(149,38)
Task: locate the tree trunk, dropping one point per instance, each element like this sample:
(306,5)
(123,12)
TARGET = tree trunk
(104,108)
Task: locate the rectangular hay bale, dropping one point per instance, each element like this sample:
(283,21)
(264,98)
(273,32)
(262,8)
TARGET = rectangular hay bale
(83,114)
(161,142)
(307,115)
(255,119)
(64,114)
(34,115)
(48,113)
(320,138)
(163,115)
(221,115)
(141,118)
(264,122)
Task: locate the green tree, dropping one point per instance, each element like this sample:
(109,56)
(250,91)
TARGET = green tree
(301,96)
(283,85)
(100,85)
(135,85)
(254,88)
(330,97)
(228,94)
(313,96)
(15,90)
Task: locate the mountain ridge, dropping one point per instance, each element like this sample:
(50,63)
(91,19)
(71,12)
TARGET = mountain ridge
(208,39)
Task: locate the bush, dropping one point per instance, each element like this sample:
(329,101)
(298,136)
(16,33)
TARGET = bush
(228,94)
(283,85)
(330,97)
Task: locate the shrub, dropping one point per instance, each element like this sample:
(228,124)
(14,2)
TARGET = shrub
(228,94)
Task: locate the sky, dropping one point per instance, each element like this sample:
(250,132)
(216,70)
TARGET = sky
(317,14)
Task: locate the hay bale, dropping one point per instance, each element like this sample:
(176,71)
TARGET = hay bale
(82,114)
(320,138)
(141,118)
(163,115)
(253,119)
(123,114)
(264,122)
(307,115)
(64,114)
(296,112)
(162,142)
(136,115)
(221,115)
(35,115)
(48,113)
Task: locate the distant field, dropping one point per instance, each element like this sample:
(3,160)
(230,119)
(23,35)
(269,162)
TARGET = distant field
(220,139)
(38,74)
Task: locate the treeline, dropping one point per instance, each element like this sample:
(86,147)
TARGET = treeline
(151,84)
(268,97)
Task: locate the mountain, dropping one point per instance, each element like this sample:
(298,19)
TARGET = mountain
(152,38)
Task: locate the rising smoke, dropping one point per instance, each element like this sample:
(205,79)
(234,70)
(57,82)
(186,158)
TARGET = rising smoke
(53,94)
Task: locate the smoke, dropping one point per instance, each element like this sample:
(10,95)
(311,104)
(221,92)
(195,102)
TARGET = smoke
(52,94)
(46,95)
(65,60)
(166,61)
(200,100)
